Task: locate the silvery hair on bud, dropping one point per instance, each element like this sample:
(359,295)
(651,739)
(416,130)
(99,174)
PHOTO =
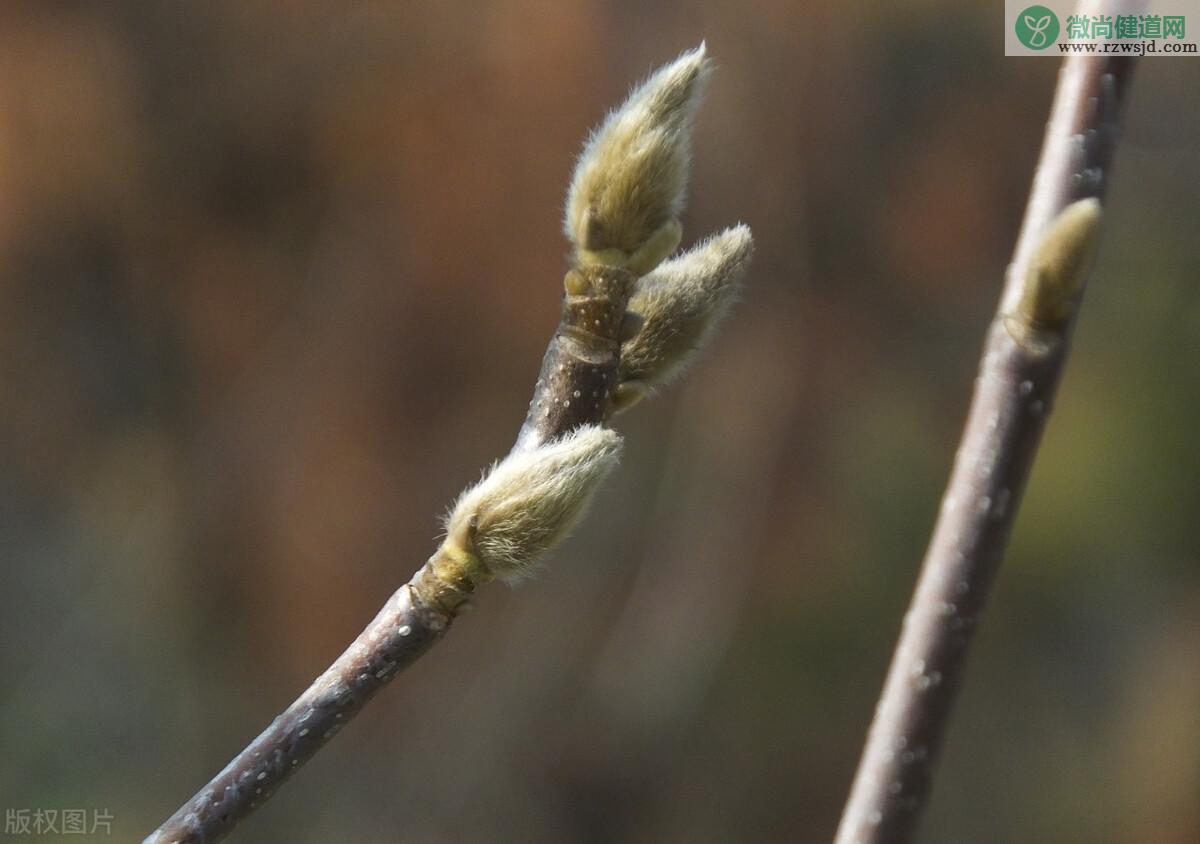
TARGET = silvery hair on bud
(680,305)
(631,177)
(531,499)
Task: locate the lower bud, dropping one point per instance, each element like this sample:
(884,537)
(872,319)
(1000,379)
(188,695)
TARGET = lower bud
(528,503)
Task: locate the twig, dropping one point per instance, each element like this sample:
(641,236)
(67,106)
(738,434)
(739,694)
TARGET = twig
(413,619)
(629,322)
(1023,358)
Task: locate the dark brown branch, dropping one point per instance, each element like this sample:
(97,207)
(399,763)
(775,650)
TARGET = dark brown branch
(401,632)
(579,371)
(1018,377)
(576,385)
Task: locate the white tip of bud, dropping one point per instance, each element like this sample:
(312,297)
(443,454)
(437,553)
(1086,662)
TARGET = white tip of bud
(680,305)
(631,178)
(530,500)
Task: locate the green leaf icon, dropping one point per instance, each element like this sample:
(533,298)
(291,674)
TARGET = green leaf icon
(1036,27)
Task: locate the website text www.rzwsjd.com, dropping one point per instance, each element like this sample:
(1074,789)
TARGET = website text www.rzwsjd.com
(1132,48)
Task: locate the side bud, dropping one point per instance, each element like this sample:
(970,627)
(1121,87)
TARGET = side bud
(679,306)
(1057,270)
(628,188)
(528,503)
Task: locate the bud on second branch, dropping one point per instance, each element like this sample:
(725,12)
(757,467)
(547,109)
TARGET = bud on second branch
(1058,269)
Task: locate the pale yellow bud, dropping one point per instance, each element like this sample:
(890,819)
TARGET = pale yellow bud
(629,184)
(529,501)
(1059,266)
(679,306)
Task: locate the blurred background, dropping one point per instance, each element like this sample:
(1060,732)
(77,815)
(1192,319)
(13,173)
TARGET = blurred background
(275,281)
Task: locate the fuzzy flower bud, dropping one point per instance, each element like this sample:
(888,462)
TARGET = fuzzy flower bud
(628,187)
(529,501)
(679,306)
